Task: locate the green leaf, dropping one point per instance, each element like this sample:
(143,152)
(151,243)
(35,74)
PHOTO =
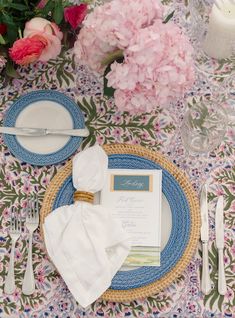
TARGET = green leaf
(88,107)
(73,64)
(69,75)
(48,8)
(169,17)
(58,12)
(17,6)
(65,78)
(12,32)
(2,41)
(220,302)
(7,19)
(108,91)
(10,70)
(90,140)
(213,299)
(81,107)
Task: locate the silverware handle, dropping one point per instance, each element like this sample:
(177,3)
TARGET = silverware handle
(206,282)
(23,131)
(9,287)
(69,132)
(29,283)
(221,279)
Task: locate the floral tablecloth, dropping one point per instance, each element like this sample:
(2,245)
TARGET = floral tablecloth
(158,131)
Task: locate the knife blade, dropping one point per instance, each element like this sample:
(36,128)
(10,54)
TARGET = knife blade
(204,215)
(219,223)
(37,132)
(205,281)
(219,234)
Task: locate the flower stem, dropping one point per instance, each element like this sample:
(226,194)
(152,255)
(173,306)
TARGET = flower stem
(20,33)
(111,57)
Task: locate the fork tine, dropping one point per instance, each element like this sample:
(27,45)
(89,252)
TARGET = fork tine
(17,223)
(33,208)
(15,220)
(12,219)
(29,209)
(19,227)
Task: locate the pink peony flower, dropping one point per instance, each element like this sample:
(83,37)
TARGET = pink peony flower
(158,64)
(117,21)
(123,76)
(112,26)
(42,41)
(74,15)
(158,68)
(93,57)
(135,101)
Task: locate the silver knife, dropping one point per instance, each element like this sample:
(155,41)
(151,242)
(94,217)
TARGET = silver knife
(36,132)
(205,282)
(219,232)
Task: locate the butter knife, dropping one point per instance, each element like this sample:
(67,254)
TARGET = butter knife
(205,282)
(36,132)
(219,232)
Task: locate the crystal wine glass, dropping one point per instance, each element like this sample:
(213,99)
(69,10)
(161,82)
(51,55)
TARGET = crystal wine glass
(204,126)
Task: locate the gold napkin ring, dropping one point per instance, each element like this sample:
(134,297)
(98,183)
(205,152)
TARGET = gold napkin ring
(83,196)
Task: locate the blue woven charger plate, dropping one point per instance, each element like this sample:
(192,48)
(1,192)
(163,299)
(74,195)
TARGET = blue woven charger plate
(181,222)
(35,158)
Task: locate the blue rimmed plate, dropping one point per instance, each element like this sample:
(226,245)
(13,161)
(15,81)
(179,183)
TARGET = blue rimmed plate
(181,222)
(181,203)
(43,109)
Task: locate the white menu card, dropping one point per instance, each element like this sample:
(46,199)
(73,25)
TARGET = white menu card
(134,197)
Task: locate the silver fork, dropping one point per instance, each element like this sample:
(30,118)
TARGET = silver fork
(14,232)
(32,220)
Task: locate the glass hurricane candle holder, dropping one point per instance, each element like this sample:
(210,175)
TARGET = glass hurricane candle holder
(212,32)
(204,126)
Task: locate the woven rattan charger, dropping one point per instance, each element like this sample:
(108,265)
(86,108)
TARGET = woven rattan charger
(163,282)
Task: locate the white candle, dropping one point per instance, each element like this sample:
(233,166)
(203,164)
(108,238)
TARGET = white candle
(220,38)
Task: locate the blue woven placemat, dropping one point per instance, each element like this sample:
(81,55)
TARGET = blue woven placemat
(181,222)
(43,159)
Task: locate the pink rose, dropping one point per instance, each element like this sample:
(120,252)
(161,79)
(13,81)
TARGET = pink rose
(41,42)
(74,15)
(50,31)
(28,50)
(37,25)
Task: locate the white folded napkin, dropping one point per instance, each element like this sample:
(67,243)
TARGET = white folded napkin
(86,244)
